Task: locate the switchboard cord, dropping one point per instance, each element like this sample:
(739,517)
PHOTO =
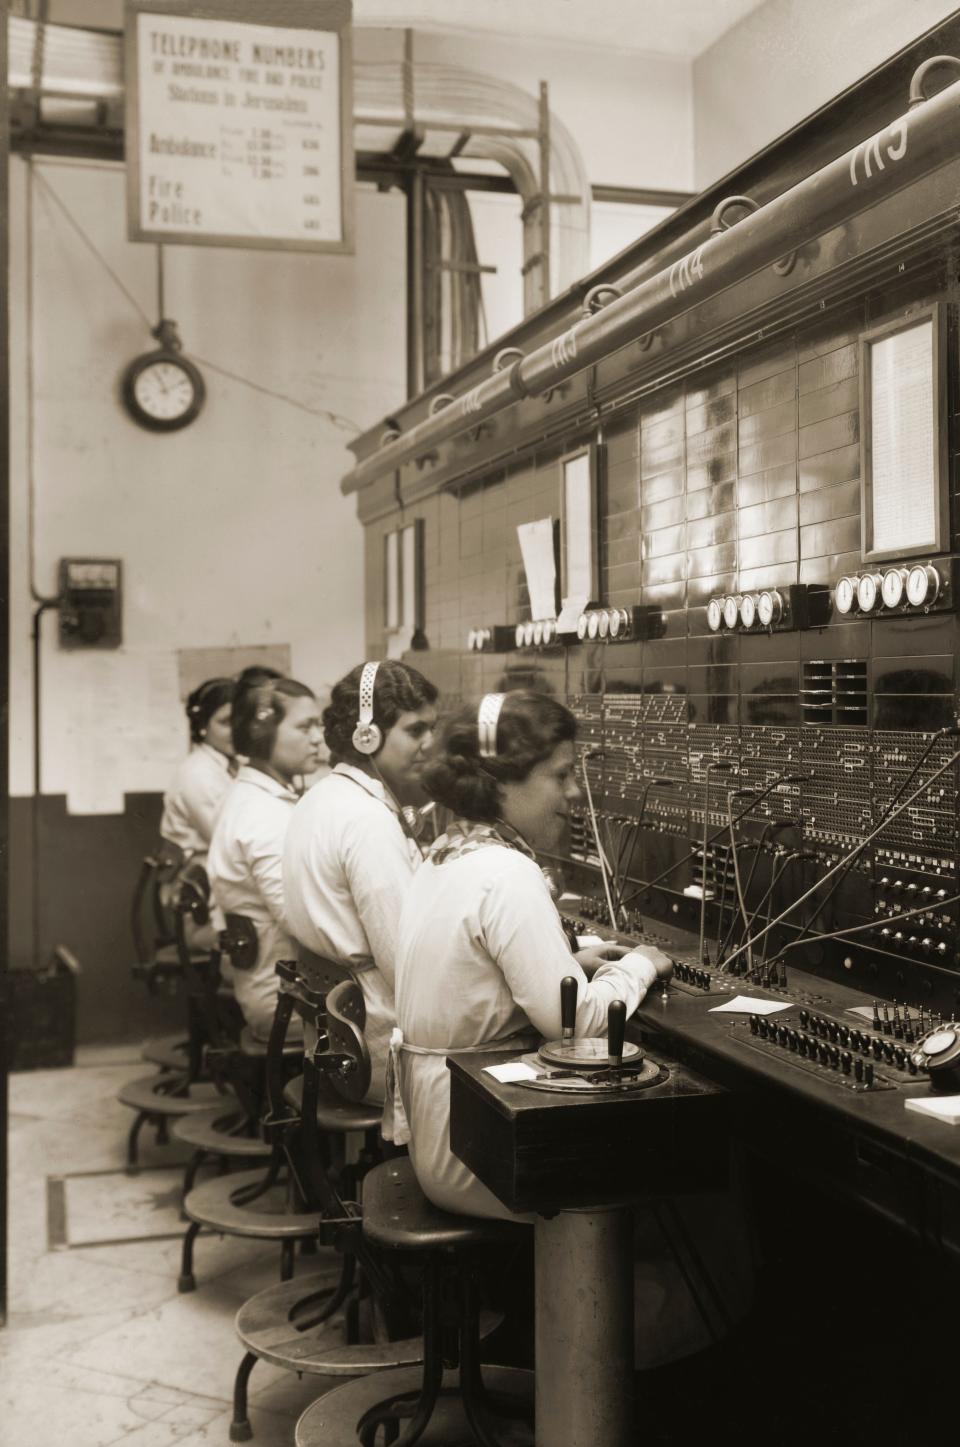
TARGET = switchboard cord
(847,859)
(758,848)
(596,835)
(741,899)
(940,734)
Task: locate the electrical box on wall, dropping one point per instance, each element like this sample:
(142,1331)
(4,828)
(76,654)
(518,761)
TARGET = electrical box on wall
(90,602)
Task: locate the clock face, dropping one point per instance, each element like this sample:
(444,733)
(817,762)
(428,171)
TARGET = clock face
(867,593)
(714,615)
(891,589)
(748,610)
(845,594)
(163,391)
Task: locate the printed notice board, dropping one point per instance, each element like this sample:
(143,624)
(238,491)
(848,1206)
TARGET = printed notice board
(240,133)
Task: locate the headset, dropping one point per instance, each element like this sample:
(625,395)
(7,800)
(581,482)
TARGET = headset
(367,736)
(488,717)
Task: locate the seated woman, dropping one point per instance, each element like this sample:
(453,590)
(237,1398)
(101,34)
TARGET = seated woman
(190,804)
(482,950)
(276,725)
(349,856)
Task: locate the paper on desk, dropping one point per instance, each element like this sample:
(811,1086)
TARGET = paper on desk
(587,942)
(511,1070)
(540,566)
(865,1012)
(748,1005)
(941,1107)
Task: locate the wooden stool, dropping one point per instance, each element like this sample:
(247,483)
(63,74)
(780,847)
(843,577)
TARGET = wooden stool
(445,1410)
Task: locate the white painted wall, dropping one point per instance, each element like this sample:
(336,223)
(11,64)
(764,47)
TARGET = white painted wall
(785,60)
(232,531)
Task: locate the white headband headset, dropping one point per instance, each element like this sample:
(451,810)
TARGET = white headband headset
(488,716)
(367,737)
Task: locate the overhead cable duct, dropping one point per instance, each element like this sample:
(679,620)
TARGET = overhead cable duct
(906,149)
(71,79)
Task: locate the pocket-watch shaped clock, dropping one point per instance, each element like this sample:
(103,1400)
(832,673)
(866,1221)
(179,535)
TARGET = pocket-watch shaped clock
(162,390)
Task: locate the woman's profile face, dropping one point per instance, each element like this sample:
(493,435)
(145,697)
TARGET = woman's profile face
(539,805)
(296,749)
(217,732)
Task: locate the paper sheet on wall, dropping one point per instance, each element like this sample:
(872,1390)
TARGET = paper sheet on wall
(540,565)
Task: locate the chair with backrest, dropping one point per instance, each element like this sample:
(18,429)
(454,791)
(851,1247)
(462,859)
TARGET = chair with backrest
(172,1092)
(156,962)
(364,1323)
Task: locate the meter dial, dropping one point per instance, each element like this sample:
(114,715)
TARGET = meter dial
(769,607)
(868,592)
(593,624)
(845,594)
(518,635)
(582,624)
(549,630)
(892,587)
(603,624)
(618,622)
(538,632)
(748,610)
(923,585)
(528,633)
(714,615)
(731,610)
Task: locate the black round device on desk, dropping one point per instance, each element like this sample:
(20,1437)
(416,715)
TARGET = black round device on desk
(938,1053)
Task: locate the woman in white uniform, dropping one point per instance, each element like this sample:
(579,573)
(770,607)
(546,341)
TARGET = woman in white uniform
(190,804)
(276,725)
(349,856)
(482,950)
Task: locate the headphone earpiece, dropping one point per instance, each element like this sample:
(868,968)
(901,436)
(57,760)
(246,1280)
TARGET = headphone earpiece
(367,736)
(488,716)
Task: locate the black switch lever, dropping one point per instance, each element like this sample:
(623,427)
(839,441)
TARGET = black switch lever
(616,1025)
(568,1008)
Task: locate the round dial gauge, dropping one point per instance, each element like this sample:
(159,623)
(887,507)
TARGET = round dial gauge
(845,594)
(518,635)
(549,629)
(868,592)
(923,584)
(472,640)
(163,390)
(582,624)
(748,610)
(593,624)
(769,607)
(714,615)
(603,624)
(538,632)
(731,611)
(618,622)
(528,630)
(892,587)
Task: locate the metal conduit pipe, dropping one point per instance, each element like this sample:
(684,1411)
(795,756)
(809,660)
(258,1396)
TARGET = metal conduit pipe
(906,149)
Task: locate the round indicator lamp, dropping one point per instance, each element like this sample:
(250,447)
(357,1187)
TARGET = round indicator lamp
(582,624)
(748,610)
(923,585)
(714,615)
(593,624)
(845,594)
(892,587)
(618,622)
(518,635)
(603,624)
(770,607)
(731,610)
(868,592)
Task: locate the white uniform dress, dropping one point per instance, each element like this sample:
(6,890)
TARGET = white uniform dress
(347,867)
(244,865)
(190,804)
(482,953)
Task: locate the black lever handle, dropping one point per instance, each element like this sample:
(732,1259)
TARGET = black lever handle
(616,1025)
(568,1007)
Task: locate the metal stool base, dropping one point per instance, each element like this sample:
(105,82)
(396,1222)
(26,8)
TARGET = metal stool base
(332,1421)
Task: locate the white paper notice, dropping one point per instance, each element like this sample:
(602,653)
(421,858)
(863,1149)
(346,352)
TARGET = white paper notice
(238,132)
(510,1071)
(570,611)
(540,565)
(902,440)
(747,1005)
(941,1107)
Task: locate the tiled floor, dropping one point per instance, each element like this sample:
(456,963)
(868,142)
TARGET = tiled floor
(100,1347)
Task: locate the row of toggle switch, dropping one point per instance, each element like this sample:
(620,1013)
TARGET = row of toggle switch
(809,1047)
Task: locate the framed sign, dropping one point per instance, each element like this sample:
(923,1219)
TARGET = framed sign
(903,436)
(579,542)
(240,132)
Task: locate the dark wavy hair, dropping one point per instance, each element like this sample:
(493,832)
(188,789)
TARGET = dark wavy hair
(530,727)
(256,673)
(203,703)
(257,710)
(397,689)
